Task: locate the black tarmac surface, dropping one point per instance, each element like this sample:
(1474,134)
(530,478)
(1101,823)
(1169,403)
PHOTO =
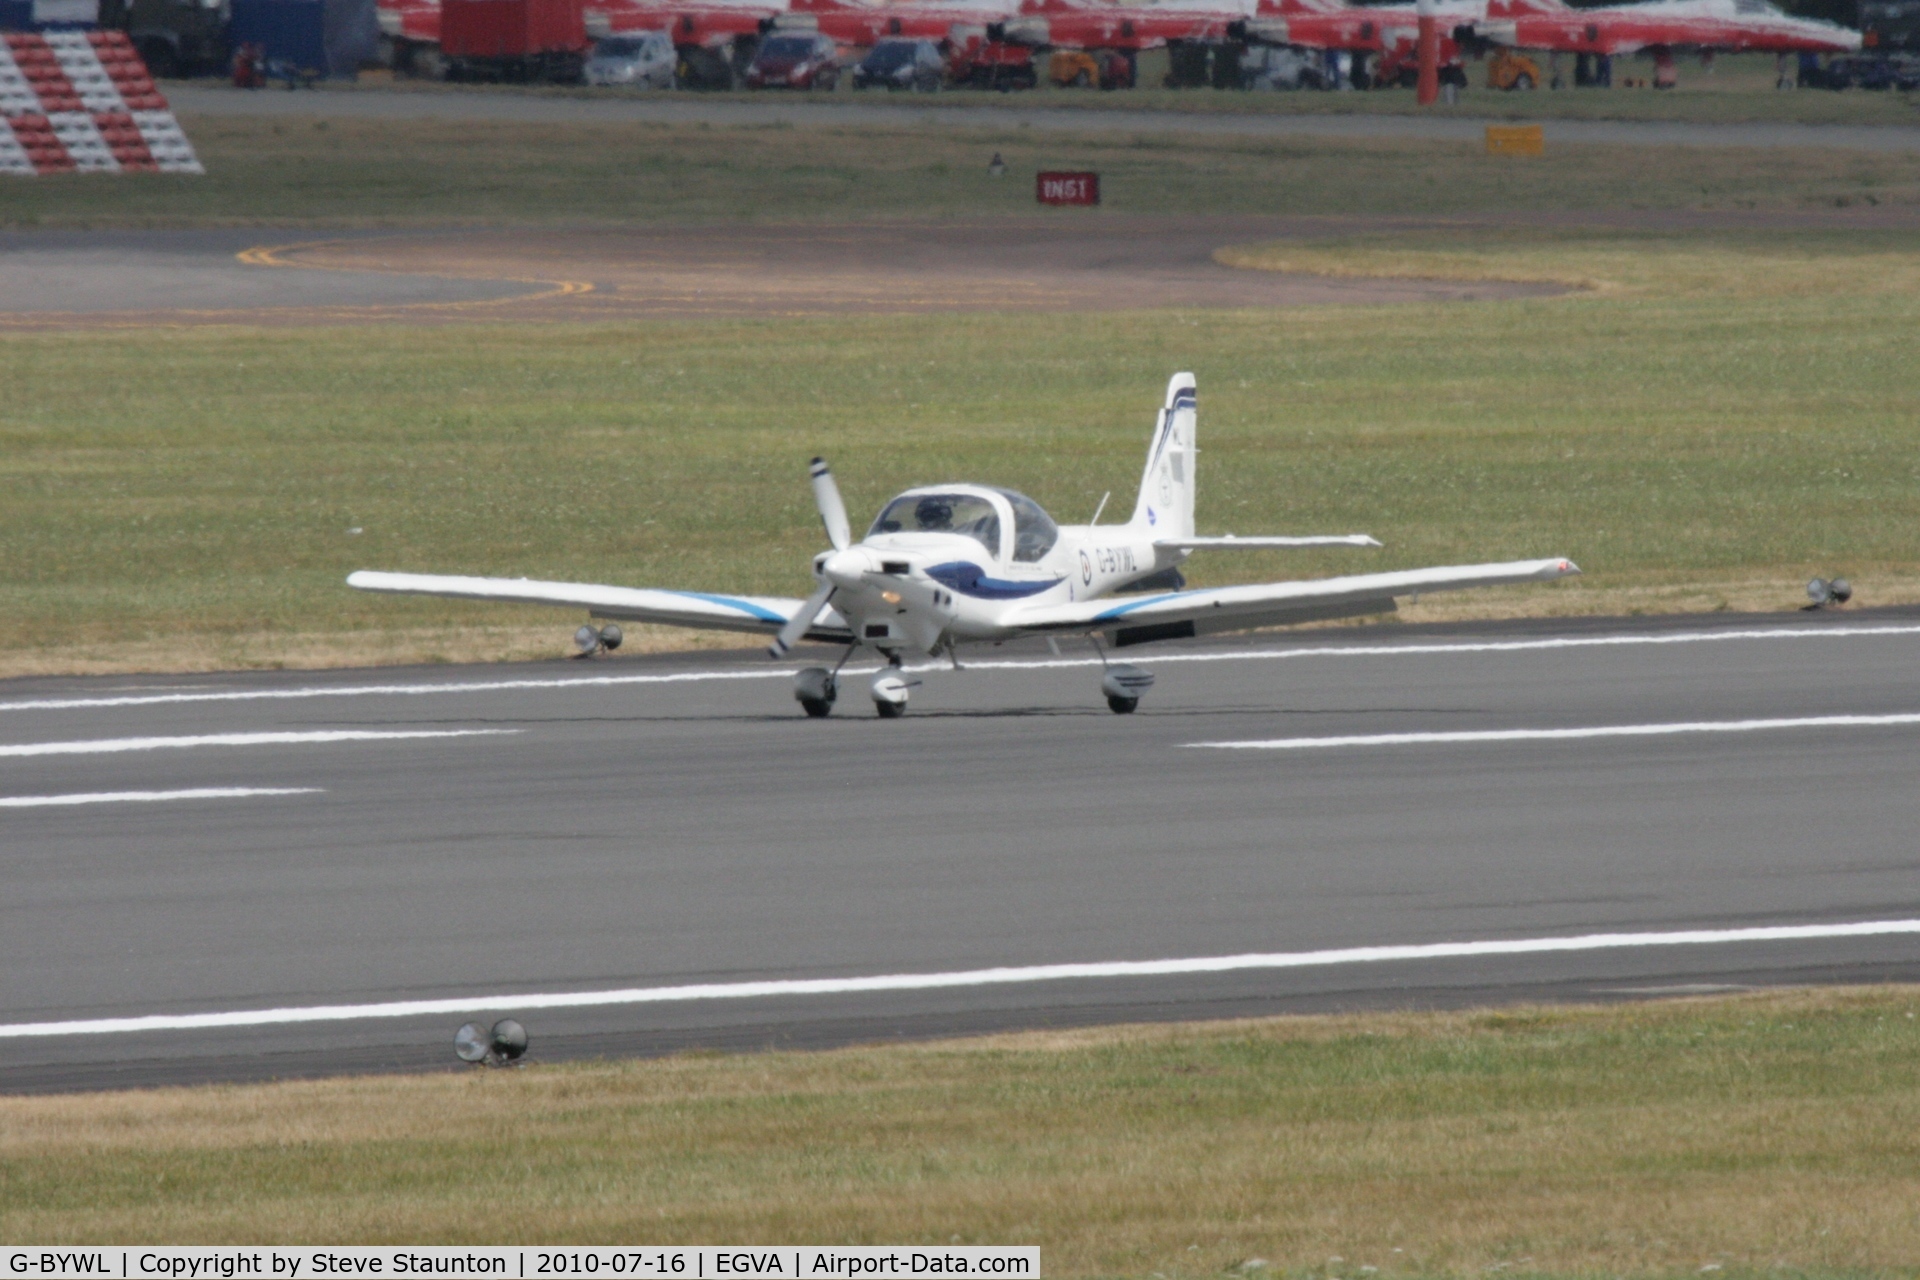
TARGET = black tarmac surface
(636,830)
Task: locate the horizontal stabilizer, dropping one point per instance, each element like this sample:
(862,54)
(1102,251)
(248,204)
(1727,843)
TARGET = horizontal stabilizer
(766,614)
(1229,540)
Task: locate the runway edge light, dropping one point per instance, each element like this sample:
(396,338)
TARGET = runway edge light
(1823,593)
(504,1042)
(471,1043)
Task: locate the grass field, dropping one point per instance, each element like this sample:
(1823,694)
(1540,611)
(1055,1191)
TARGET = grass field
(1718,419)
(357,172)
(1737,89)
(1774,1134)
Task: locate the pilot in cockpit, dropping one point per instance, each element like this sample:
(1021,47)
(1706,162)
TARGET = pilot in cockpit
(934,515)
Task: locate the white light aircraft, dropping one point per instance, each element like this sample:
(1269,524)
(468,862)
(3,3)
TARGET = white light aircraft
(955,564)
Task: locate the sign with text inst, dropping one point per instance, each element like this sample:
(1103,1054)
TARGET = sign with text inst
(518,1262)
(1067,188)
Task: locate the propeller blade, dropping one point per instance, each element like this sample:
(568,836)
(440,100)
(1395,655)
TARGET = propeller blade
(833,512)
(797,625)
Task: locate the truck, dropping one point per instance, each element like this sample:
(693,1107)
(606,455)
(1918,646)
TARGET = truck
(981,58)
(514,40)
(174,38)
(322,38)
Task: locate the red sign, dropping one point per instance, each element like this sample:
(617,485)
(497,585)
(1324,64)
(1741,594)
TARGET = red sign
(1067,188)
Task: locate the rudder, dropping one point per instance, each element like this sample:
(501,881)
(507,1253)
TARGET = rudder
(1165,506)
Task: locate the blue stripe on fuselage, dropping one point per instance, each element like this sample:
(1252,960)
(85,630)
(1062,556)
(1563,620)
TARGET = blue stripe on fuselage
(972,580)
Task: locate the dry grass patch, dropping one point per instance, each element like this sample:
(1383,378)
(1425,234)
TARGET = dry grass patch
(1749,1133)
(352,172)
(1723,266)
(1732,416)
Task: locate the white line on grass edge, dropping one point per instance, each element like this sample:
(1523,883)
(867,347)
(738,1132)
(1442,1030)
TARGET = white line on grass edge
(1008,664)
(781,988)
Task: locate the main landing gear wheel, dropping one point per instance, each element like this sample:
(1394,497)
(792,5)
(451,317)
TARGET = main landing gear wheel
(1123,684)
(815,689)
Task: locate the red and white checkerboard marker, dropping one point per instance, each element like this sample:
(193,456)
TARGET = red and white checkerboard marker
(83,101)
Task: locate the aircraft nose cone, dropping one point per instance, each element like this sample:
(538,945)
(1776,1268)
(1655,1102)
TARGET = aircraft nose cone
(844,568)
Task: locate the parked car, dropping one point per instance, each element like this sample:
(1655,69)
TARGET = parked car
(1873,71)
(1072,68)
(1510,70)
(1271,66)
(795,62)
(902,64)
(1399,68)
(1079,68)
(638,60)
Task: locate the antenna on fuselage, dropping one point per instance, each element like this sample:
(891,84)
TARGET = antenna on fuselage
(1102,507)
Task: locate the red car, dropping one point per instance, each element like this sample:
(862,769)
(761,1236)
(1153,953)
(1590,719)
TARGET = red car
(795,61)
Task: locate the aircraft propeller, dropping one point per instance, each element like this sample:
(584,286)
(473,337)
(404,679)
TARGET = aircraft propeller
(833,514)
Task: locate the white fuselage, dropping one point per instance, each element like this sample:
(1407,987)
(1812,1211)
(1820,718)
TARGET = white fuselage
(924,590)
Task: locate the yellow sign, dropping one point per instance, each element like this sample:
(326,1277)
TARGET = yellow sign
(1515,140)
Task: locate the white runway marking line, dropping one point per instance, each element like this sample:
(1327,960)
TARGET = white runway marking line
(965,978)
(151,797)
(1010,664)
(1552,735)
(108,746)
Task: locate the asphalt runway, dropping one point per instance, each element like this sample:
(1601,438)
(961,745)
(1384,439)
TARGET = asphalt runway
(134,279)
(673,831)
(49,278)
(442,103)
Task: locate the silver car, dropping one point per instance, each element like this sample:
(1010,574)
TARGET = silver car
(638,60)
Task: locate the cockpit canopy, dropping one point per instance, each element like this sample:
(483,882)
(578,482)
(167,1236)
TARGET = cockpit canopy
(977,513)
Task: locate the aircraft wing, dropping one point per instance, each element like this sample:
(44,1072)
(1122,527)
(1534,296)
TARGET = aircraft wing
(1176,614)
(701,609)
(1229,540)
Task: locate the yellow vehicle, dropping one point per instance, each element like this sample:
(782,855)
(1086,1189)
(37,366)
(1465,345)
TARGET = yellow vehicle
(1508,69)
(1073,68)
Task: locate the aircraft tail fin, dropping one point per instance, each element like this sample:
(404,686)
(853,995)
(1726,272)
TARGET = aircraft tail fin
(1165,505)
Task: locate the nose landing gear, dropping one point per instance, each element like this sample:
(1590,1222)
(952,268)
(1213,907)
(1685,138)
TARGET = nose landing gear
(890,690)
